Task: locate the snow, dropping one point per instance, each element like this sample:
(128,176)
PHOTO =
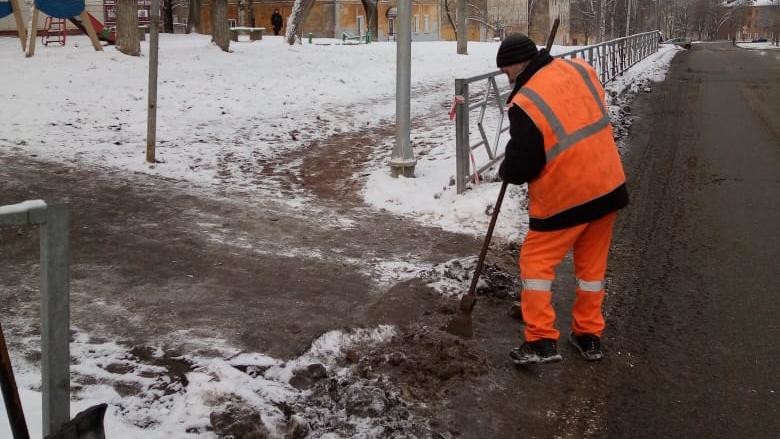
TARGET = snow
(759,46)
(23,207)
(76,106)
(65,102)
(162,408)
(259,101)
(730,3)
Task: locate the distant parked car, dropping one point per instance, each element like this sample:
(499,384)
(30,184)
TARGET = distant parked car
(759,40)
(682,42)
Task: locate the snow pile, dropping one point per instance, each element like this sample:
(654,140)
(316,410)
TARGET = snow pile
(154,393)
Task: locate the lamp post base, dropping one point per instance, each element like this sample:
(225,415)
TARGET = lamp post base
(401,167)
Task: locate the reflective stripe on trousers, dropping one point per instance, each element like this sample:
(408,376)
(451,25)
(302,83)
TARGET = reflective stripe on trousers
(541,253)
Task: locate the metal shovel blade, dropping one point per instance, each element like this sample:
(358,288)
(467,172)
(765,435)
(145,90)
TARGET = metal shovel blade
(462,324)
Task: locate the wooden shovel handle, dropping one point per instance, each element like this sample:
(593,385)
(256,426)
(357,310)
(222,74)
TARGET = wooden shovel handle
(486,244)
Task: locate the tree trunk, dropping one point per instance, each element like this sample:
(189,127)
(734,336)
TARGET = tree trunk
(372,16)
(127,38)
(602,22)
(193,18)
(612,30)
(220,32)
(463,33)
(295,21)
(449,18)
(250,13)
(167,16)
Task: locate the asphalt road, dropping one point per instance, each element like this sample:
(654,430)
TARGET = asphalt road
(694,296)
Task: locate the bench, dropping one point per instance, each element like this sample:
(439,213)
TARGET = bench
(348,36)
(255,33)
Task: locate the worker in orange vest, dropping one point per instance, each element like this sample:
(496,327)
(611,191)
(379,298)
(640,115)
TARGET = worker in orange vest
(561,145)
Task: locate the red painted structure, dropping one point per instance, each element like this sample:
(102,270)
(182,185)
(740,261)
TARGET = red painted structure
(53,31)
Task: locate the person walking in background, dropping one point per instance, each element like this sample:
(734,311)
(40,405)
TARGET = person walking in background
(561,144)
(276,21)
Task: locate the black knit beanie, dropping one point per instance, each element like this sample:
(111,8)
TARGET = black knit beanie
(515,49)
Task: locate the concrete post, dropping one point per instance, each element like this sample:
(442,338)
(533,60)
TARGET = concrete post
(55,319)
(402,161)
(151,120)
(462,146)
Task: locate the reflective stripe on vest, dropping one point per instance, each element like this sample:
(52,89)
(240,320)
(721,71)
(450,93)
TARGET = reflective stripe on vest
(537,284)
(566,103)
(590,286)
(565,141)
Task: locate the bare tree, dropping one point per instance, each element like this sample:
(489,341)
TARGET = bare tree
(167,7)
(127,38)
(250,13)
(220,33)
(193,19)
(246,13)
(583,18)
(463,33)
(372,15)
(449,17)
(489,20)
(295,21)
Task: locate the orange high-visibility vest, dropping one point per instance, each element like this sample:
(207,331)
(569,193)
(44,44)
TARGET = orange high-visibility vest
(565,101)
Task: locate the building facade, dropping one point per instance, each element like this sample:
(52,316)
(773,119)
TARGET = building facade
(431,19)
(332,18)
(748,20)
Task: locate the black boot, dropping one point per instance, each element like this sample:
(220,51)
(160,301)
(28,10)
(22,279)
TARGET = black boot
(539,351)
(589,346)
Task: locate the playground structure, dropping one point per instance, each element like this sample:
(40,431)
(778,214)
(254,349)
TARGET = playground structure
(12,7)
(73,10)
(54,31)
(103,32)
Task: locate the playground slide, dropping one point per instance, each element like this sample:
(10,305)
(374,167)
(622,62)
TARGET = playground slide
(103,33)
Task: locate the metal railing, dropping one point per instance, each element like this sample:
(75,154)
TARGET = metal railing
(610,59)
(55,304)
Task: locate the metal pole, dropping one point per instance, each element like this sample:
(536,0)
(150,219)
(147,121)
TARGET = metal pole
(151,121)
(402,161)
(55,319)
(461,136)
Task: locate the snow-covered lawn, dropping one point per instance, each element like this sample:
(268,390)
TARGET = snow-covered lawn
(759,46)
(73,105)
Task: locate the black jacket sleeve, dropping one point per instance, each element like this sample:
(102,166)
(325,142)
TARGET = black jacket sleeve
(524,158)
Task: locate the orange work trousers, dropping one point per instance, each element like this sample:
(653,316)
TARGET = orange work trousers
(540,255)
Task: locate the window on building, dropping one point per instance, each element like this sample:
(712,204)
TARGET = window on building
(391,26)
(426,24)
(231,22)
(360,24)
(416,24)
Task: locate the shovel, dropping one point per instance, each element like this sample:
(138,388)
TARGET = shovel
(13,404)
(461,325)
